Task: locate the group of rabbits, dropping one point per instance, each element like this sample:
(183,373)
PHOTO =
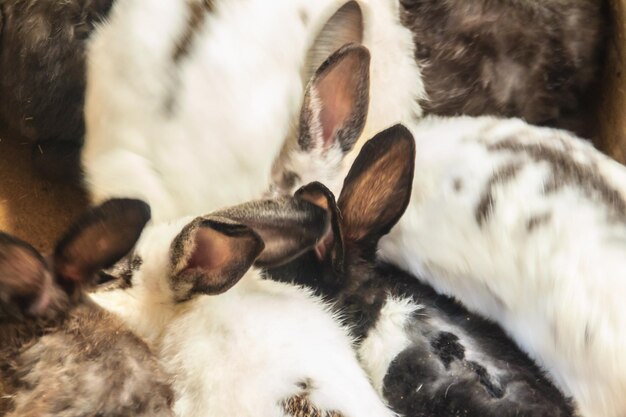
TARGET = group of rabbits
(315,208)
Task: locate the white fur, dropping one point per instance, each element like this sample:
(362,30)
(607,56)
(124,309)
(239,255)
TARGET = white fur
(387,339)
(235,96)
(550,288)
(242,352)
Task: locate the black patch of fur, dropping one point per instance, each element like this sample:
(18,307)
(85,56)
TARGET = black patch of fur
(538,60)
(42,75)
(433,377)
(486,202)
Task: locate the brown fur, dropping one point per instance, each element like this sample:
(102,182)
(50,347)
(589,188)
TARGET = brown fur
(42,75)
(534,59)
(300,406)
(486,203)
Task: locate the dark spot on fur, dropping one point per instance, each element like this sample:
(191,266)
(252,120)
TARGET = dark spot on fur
(197,15)
(588,337)
(485,379)
(304,17)
(568,172)
(537,220)
(448,348)
(301,406)
(486,203)
(457,184)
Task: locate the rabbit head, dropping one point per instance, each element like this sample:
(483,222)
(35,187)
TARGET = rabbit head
(332,118)
(32,286)
(179,260)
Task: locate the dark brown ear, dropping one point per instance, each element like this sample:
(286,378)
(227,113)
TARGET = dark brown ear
(26,283)
(211,255)
(101,237)
(288,226)
(330,248)
(336,101)
(343,27)
(377,189)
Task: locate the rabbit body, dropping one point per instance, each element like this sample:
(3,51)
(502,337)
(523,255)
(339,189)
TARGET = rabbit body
(208,91)
(242,351)
(525,226)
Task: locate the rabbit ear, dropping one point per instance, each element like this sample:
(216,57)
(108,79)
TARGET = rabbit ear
(336,101)
(211,255)
(330,248)
(377,189)
(26,283)
(100,238)
(288,226)
(343,27)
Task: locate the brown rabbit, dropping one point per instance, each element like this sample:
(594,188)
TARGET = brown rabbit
(533,59)
(42,75)
(60,354)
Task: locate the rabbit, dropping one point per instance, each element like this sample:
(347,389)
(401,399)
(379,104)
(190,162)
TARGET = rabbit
(42,61)
(536,60)
(237,344)
(60,354)
(424,352)
(523,225)
(209,89)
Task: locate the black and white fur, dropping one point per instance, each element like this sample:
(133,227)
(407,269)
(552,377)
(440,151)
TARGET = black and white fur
(425,353)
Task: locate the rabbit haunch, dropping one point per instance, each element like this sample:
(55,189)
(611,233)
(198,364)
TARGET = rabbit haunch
(236,343)
(222,108)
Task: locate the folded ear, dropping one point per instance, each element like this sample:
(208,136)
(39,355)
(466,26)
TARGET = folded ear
(26,283)
(377,189)
(288,226)
(100,238)
(211,255)
(336,101)
(343,27)
(330,248)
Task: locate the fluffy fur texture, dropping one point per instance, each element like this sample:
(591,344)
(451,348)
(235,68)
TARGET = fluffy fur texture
(534,59)
(221,109)
(42,81)
(60,354)
(425,353)
(525,226)
(258,348)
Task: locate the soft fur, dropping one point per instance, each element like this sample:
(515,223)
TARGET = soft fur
(191,99)
(42,81)
(61,355)
(526,226)
(256,349)
(425,353)
(534,59)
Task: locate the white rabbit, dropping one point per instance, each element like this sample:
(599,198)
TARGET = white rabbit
(237,344)
(188,99)
(527,227)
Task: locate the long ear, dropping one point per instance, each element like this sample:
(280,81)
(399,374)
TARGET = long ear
(343,27)
(288,226)
(101,237)
(377,189)
(336,101)
(26,283)
(211,255)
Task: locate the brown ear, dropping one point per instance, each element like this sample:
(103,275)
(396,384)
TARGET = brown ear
(343,27)
(377,189)
(26,283)
(330,248)
(211,255)
(288,226)
(336,101)
(101,237)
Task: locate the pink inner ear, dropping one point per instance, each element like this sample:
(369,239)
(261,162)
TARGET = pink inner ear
(211,250)
(337,92)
